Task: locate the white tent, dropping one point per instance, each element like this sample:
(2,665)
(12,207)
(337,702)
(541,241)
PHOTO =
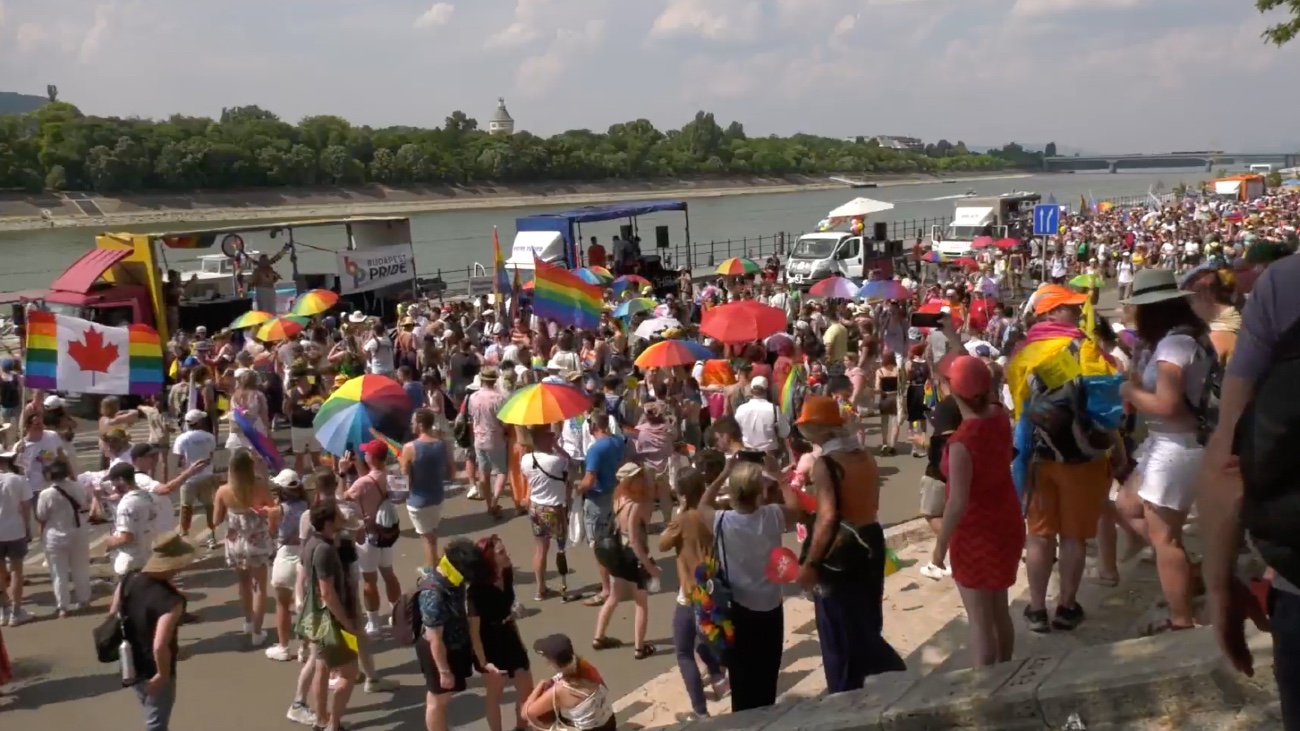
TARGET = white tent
(860,207)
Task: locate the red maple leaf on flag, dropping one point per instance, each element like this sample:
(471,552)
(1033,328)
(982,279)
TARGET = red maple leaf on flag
(92,354)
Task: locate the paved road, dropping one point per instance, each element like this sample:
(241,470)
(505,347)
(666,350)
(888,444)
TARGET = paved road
(227,684)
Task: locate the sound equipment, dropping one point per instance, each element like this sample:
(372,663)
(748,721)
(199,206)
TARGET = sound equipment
(661,237)
(880,230)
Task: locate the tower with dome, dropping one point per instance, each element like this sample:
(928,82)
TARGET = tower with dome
(502,123)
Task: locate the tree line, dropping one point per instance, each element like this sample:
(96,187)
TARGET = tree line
(56,147)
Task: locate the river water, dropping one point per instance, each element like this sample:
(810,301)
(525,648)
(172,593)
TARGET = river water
(453,240)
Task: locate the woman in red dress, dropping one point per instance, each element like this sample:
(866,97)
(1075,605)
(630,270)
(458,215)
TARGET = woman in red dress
(982,522)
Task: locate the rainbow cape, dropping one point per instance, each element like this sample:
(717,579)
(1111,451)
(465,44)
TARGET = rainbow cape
(70,354)
(798,374)
(560,295)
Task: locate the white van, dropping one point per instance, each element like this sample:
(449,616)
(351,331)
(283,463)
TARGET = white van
(817,256)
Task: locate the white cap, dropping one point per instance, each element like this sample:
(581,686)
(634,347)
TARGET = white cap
(203,329)
(287,478)
(54,402)
(758,382)
(194,416)
(554,365)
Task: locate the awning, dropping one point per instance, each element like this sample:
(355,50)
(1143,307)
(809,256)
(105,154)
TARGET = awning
(87,270)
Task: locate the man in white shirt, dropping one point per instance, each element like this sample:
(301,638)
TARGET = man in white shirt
(193,446)
(144,458)
(133,525)
(379,352)
(762,428)
(15,516)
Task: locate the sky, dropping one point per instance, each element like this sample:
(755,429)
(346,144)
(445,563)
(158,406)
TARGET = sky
(1107,76)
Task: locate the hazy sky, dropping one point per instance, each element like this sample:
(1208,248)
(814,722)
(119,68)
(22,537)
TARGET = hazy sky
(1105,75)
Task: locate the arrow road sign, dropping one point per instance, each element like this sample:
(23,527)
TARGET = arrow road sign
(1047,220)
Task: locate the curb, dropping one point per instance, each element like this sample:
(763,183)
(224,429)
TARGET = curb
(901,535)
(1170,675)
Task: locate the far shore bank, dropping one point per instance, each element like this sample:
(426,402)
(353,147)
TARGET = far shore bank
(36,212)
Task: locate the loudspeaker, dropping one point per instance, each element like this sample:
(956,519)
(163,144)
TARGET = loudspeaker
(625,232)
(661,237)
(880,230)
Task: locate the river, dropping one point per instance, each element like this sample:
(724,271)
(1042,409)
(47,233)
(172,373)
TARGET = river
(453,240)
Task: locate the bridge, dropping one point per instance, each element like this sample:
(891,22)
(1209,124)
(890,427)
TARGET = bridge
(1168,159)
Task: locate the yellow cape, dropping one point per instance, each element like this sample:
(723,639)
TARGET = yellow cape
(1092,362)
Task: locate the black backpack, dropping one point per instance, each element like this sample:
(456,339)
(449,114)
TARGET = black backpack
(1267,441)
(1206,407)
(1062,430)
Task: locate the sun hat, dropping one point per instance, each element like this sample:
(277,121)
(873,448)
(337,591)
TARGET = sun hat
(488,374)
(628,471)
(169,553)
(820,411)
(357,317)
(1051,296)
(1154,285)
(969,378)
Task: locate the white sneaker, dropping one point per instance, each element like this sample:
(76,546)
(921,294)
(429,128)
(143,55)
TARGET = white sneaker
(279,653)
(947,569)
(930,571)
(248,627)
(18,616)
(372,628)
(300,713)
(257,638)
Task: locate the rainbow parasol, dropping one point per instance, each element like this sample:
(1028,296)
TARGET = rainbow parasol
(834,288)
(281,328)
(884,289)
(544,403)
(252,318)
(634,306)
(669,353)
(314,302)
(635,281)
(590,275)
(737,266)
(932,257)
(363,405)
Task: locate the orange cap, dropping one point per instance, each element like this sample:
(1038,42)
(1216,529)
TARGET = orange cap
(1052,296)
(821,411)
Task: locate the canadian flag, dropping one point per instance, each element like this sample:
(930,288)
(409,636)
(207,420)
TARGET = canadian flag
(93,358)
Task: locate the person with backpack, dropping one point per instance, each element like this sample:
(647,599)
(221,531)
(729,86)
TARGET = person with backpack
(1064,461)
(63,511)
(604,457)
(443,645)
(1168,392)
(382,529)
(623,550)
(1248,485)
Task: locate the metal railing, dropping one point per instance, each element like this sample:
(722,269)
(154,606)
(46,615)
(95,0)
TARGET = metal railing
(700,257)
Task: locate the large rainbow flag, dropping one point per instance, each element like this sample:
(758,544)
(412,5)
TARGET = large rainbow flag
(70,354)
(501,282)
(558,294)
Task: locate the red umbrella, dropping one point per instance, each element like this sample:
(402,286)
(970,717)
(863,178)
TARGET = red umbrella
(1006,244)
(934,307)
(966,262)
(742,322)
(982,242)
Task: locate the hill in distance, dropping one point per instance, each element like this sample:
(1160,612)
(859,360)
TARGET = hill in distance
(14,103)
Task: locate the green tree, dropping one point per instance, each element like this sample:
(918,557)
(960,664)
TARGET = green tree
(1274,179)
(1283,32)
(1050,150)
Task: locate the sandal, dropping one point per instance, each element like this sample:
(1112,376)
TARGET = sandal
(606,643)
(644,651)
(1164,627)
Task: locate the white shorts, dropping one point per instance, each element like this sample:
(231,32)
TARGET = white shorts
(372,558)
(284,572)
(425,520)
(304,440)
(1168,465)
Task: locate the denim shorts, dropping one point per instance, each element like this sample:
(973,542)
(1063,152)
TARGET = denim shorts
(597,512)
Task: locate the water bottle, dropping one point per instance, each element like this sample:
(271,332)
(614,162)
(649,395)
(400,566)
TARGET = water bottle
(127,663)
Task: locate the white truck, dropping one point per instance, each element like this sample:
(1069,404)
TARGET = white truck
(997,216)
(817,256)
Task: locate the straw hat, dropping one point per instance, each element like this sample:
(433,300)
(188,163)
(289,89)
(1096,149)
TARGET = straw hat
(1154,285)
(488,374)
(357,317)
(169,553)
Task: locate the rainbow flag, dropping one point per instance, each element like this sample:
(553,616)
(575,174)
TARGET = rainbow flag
(518,289)
(500,285)
(558,294)
(70,354)
(797,375)
(393,447)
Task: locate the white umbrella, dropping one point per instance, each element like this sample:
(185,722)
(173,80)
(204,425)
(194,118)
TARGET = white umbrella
(656,325)
(860,207)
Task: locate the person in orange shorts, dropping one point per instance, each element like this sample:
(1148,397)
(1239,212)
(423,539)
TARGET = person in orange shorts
(1068,480)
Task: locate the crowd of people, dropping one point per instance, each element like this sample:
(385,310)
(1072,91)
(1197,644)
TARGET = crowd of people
(713,461)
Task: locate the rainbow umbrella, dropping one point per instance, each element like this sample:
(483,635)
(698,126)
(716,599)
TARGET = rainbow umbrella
(591,276)
(363,405)
(834,288)
(602,271)
(314,302)
(634,306)
(544,403)
(635,281)
(252,318)
(884,289)
(281,328)
(1087,281)
(737,266)
(933,257)
(671,353)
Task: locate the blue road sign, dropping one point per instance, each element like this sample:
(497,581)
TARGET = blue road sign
(1047,220)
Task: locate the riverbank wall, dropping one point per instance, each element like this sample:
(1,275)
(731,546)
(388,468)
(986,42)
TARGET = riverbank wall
(89,210)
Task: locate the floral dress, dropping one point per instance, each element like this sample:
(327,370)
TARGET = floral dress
(248,539)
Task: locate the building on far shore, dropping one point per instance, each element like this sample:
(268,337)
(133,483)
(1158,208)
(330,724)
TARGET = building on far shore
(502,123)
(897,142)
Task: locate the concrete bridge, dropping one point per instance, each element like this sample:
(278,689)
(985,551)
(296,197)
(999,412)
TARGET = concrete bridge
(1208,158)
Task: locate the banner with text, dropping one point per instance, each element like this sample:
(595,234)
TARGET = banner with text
(362,271)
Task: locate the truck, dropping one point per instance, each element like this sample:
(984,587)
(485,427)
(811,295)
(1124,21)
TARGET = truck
(1003,216)
(816,256)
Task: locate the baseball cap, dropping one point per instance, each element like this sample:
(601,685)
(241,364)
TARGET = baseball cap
(122,471)
(194,416)
(287,478)
(1051,296)
(758,382)
(375,450)
(556,648)
(54,402)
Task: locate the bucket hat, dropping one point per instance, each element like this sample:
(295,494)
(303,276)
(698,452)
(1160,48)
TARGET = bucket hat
(1155,285)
